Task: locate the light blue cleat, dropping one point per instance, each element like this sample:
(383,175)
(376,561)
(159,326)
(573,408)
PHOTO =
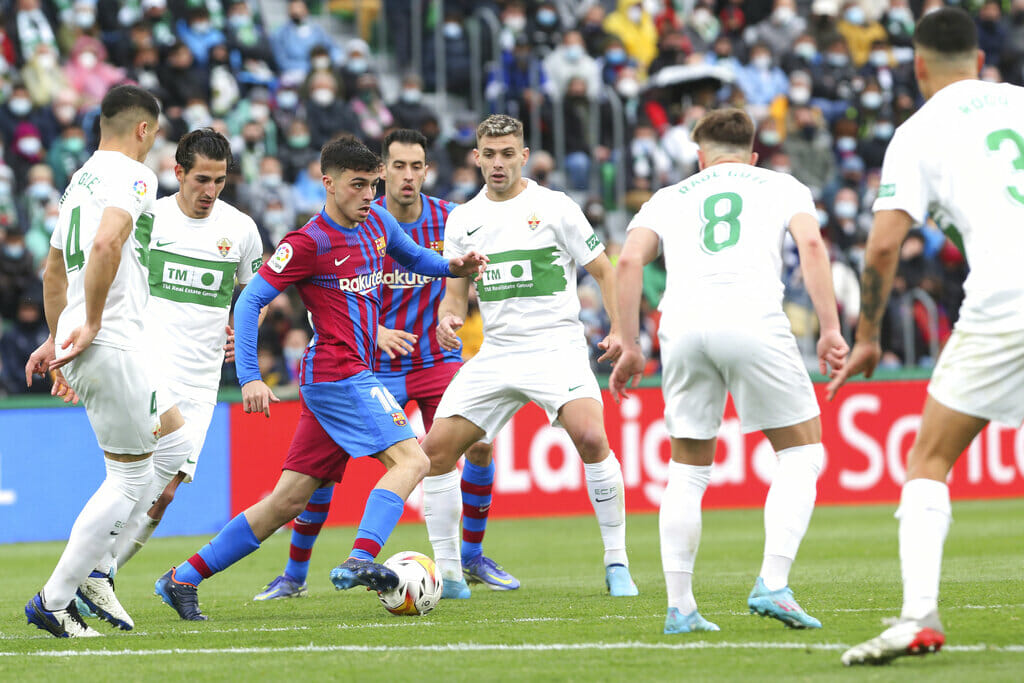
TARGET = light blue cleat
(482,569)
(620,583)
(677,622)
(282,587)
(455,589)
(779,605)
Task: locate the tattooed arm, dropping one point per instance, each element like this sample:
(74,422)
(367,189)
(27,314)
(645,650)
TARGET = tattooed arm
(881,258)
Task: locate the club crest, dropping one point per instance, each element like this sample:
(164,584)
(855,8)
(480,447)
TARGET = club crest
(224,246)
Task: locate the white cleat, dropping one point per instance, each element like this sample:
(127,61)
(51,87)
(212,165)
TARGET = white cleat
(62,623)
(906,637)
(97,591)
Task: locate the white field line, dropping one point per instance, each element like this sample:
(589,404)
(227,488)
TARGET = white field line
(483,647)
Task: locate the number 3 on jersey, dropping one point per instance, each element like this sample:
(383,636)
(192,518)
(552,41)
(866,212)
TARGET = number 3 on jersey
(995,141)
(720,213)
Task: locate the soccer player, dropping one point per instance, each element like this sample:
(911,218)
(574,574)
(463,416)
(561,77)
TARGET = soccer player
(95,291)
(413,367)
(199,247)
(336,262)
(723,330)
(534,347)
(970,185)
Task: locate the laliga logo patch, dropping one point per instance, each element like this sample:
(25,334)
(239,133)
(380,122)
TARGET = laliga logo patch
(281,257)
(399,419)
(224,246)
(533,221)
(139,188)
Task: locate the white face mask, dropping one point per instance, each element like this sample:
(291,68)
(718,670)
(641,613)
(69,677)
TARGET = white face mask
(515,22)
(635,14)
(871,99)
(799,94)
(30,147)
(783,15)
(321,63)
(259,111)
(287,99)
(412,95)
(20,106)
(628,88)
(880,58)
(46,60)
(762,62)
(845,209)
(88,60)
(846,144)
(322,96)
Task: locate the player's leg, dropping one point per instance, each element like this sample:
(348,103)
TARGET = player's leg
(679,529)
(584,421)
(305,530)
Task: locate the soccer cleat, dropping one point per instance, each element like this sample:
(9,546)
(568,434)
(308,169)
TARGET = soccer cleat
(356,572)
(905,637)
(620,583)
(779,605)
(97,592)
(282,587)
(183,597)
(62,623)
(677,622)
(83,609)
(481,569)
(455,589)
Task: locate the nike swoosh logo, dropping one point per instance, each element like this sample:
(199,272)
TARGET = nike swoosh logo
(603,500)
(338,262)
(114,533)
(500,580)
(190,461)
(470,232)
(575,387)
(163,243)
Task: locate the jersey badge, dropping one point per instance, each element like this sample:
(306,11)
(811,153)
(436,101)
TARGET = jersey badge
(139,188)
(438,246)
(281,257)
(224,246)
(399,419)
(533,221)
(382,244)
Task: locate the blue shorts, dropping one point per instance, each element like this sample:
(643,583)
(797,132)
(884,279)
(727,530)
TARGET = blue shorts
(426,386)
(358,413)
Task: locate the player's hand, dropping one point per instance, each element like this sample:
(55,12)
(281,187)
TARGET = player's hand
(863,358)
(78,341)
(39,362)
(257,397)
(446,330)
(395,342)
(61,388)
(229,345)
(468,264)
(612,347)
(629,366)
(832,350)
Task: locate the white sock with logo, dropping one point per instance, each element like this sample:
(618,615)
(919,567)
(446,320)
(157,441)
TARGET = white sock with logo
(679,527)
(608,496)
(925,515)
(95,531)
(788,509)
(442,510)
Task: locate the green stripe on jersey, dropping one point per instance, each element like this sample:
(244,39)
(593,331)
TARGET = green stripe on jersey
(522,273)
(191,280)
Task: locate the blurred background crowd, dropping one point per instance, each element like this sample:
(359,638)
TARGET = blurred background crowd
(608,91)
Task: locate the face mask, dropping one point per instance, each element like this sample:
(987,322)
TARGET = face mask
(88,60)
(46,60)
(845,209)
(574,53)
(321,62)
(357,65)
(39,190)
(452,31)
(197,113)
(412,95)
(287,99)
(616,55)
(846,144)
(884,131)
(49,224)
(901,14)
(30,147)
(74,145)
(805,50)
(879,58)
(515,22)
(274,217)
(783,15)
(237,21)
(201,27)
(85,19)
(5,186)
(272,179)
(770,137)
(854,15)
(628,88)
(14,251)
(799,94)
(762,62)
(167,179)
(322,96)
(291,355)
(259,111)
(837,59)
(547,17)
(465,189)
(871,99)
(298,141)
(635,14)
(20,106)
(822,217)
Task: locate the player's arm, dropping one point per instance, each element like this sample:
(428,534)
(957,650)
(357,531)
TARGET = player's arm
(428,262)
(451,313)
(817,273)
(881,258)
(55,299)
(100,271)
(602,270)
(256,395)
(641,248)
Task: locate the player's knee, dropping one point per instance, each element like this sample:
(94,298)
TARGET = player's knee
(480,454)
(418,464)
(592,443)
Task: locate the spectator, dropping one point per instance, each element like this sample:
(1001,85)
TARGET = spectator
(465,184)
(42,77)
(580,144)
(8,205)
(37,239)
(67,154)
(409,110)
(20,339)
(859,31)
(182,79)
(28,150)
(992,31)
(872,148)
(517,86)
(761,81)
(277,218)
(308,193)
(89,73)
(161,22)
(648,164)
(592,30)
(17,272)
(199,33)
(357,63)
(846,229)
(292,42)
(898,21)
(833,78)
(768,141)
(30,27)
(631,23)
(513,25)
(374,116)
(778,31)
(224,87)
(702,28)
(542,170)
(673,48)
(296,152)
(251,54)
(570,60)
(545,29)
(803,56)
(614,60)
(328,113)
(809,147)
(19,110)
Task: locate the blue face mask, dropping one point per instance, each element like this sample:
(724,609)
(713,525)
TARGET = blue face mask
(547,17)
(616,55)
(357,65)
(14,251)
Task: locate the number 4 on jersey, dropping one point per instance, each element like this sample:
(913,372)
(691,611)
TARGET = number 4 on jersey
(74,257)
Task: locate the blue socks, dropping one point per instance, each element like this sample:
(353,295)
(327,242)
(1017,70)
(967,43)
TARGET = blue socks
(381,514)
(235,541)
(305,531)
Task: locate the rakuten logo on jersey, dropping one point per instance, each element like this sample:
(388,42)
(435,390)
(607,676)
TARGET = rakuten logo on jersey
(361,284)
(403,279)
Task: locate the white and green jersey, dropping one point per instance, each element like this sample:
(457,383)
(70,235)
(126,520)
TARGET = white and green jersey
(193,265)
(960,159)
(534,242)
(107,179)
(721,232)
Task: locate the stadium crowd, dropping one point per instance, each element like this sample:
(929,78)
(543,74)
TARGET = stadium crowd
(827,81)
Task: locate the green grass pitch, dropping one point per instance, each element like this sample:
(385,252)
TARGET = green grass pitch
(561,625)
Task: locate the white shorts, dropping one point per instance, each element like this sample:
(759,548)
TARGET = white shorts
(196,406)
(759,365)
(982,375)
(493,385)
(119,396)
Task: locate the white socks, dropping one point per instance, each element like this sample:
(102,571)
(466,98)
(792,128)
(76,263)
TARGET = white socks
(924,515)
(608,496)
(679,525)
(104,516)
(787,510)
(442,510)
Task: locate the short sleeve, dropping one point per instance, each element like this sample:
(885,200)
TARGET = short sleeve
(454,234)
(294,260)
(578,236)
(800,200)
(650,216)
(252,254)
(902,186)
(133,189)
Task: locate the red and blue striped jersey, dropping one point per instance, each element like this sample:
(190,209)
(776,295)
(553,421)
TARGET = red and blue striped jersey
(338,272)
(409,301)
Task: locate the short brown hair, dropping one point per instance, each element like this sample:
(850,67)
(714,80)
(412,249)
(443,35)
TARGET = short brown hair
(496,125)
(725,128)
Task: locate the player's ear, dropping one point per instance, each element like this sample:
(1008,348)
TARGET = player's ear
(526,155)
(753,158)
(476,156)
(179,173)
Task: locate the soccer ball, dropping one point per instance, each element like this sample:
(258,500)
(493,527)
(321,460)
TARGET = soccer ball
(419,584)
